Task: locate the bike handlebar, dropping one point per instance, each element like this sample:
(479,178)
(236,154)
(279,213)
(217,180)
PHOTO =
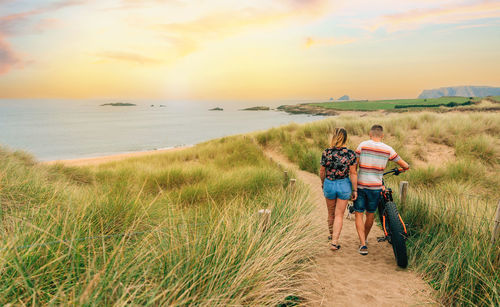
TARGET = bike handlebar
(396,171)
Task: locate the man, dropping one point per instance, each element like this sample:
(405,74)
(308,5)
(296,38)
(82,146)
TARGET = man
(372,157)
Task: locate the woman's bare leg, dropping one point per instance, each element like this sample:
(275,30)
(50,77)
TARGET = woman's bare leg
(339,219)
(330,205)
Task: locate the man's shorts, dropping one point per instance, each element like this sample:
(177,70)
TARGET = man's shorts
(340,188)
(367,200)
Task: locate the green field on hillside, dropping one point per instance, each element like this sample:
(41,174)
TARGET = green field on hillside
(369,105)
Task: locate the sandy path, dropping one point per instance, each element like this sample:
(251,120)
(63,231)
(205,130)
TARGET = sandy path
(111,158)
(345,278)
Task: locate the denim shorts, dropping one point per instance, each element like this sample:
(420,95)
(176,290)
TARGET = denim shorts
(340,188)
(367,200)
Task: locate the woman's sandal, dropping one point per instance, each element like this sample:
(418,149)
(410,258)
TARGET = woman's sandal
(334,247)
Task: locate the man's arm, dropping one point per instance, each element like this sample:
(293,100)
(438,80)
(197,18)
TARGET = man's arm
(403,164)
(353,175)
(394,157)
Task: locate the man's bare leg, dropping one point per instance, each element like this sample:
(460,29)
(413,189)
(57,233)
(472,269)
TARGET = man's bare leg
(368,224)
(360,227)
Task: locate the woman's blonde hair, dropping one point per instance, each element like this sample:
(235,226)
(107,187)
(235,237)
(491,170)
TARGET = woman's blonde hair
(339,137)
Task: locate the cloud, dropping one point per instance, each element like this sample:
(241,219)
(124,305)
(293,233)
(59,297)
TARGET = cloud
(471,26)
(452,13)
(188,36)
(14,23)
(137,4)
(128,57)
(45,24)
(311,41)
(8,58)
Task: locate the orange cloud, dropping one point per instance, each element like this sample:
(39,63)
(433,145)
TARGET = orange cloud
(450,14)
(310,41)
(187,37)
(8,58)
(11,24)
(128,57)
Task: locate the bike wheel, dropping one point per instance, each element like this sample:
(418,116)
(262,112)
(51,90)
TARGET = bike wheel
(397,234)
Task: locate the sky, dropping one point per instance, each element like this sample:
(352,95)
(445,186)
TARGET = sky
(245,50)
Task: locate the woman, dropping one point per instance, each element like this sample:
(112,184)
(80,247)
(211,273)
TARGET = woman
(339,180)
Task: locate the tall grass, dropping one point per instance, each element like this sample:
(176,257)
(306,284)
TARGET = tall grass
(182,228)
(176,229)
(450,245)
(451,204)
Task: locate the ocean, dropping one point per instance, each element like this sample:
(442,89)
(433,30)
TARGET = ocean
(70,129)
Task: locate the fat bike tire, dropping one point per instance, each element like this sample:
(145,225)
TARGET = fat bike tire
(398,239)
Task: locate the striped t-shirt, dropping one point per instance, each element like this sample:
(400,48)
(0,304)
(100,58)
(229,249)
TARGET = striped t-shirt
(373,157)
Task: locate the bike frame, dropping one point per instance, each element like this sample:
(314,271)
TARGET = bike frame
(387,197)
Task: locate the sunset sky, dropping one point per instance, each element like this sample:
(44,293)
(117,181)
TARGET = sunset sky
(258,49)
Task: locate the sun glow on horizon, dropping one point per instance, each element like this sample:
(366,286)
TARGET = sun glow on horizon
(282,49)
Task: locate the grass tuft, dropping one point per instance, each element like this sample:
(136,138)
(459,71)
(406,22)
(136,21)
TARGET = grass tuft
(180,228)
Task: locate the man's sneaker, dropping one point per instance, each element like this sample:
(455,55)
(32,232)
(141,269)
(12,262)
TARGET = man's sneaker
(363,250)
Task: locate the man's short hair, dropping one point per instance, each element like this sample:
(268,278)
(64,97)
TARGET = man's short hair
(377,130)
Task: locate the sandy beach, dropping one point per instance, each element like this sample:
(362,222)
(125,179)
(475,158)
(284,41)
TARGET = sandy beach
(111,158)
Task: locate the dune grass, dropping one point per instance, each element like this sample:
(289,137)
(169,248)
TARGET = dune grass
(450,244)
(182,228)
(451,201)
(179,228)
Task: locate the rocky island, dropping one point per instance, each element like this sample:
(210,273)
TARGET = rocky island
(217,109)
(259,108)
(118,104)
(306,108)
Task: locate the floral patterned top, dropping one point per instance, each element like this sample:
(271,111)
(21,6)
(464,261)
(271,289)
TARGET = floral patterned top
(337,161)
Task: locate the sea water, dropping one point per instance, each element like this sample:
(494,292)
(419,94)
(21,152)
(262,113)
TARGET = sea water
(69,129)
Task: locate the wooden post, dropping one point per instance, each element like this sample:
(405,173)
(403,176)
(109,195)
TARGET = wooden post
(285,174)
(292,183)
(496,225)
(264,218)
(403,191)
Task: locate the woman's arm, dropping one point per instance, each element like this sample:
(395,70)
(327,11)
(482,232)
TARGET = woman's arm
(353,175)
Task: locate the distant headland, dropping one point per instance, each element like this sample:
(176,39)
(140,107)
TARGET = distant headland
(461,91)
